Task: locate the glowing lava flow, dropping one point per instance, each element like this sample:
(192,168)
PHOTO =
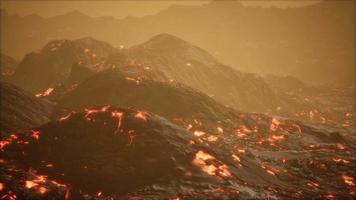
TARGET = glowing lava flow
(137,81)
(201,159)
(66,117)
(45,93)
(142,115)
(38,183)
(118,116)
(7,141)
(89,112)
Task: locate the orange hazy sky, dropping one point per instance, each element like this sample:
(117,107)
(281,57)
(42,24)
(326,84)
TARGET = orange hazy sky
(121,9)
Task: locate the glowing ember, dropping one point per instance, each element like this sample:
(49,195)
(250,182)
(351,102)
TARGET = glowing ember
(38,181)
(201,155)
(241,150)
(89,112)
(236,158)
(274,138)
(30,184)
(329,196)
(348,180)
(340,146)
(45,93)
(313,185)
(118,116)
(200,159)
(274,124)
(137,81)
(4,143)
(242,130)
(224,170)
(49,165)
(1,186)
(65,117)
(199,133)
(311,115)
(131,136)
(35,134)
(189,127)
(338,160)
(42,190)
(142,115)
(270,172)
(212,138)
(105,108)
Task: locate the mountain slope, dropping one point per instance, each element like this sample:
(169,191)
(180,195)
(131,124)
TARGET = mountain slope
(106,152)
(114,87)
(114,145)
(21,110)
(52,64)
(194,67)
(7,65)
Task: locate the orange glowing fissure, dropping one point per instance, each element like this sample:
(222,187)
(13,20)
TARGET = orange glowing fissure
(118,115)
(45,93)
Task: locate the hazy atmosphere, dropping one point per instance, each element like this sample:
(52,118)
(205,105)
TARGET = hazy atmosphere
(122,9)
(179,100)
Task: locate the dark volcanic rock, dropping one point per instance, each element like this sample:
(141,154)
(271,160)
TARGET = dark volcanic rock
(113,87)
(192,66)
(53,63)
(124,152)
(7,65)
(21,110)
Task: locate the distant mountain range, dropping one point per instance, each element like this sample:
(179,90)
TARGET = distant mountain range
(167,61)
(163,58)
(315,43)
(41,69)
